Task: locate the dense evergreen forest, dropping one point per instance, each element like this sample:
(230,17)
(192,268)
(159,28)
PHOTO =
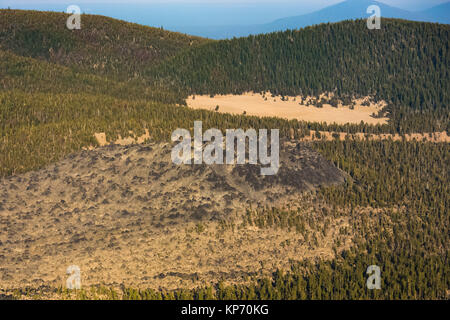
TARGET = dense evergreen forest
(58,88)
(405,63)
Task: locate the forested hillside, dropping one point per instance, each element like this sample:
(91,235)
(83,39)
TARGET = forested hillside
(103,45)
(48,111)
(58,87)
(404,63)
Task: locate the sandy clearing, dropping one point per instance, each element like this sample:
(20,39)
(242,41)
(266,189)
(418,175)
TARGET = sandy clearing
(435,137)
(102,141)
(255,104)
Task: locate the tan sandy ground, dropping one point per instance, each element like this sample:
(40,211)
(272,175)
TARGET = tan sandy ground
(254,104)
(102,141)
(435,137)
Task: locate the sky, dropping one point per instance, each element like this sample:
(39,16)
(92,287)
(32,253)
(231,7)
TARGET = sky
(176,13)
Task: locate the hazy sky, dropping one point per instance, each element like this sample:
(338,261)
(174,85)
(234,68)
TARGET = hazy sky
(169,13)
(398,3)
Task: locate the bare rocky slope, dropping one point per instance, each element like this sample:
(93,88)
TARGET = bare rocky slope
(128,215)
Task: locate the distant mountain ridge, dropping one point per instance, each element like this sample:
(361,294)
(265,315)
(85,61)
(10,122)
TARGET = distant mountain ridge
(351,9)
(440,12)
